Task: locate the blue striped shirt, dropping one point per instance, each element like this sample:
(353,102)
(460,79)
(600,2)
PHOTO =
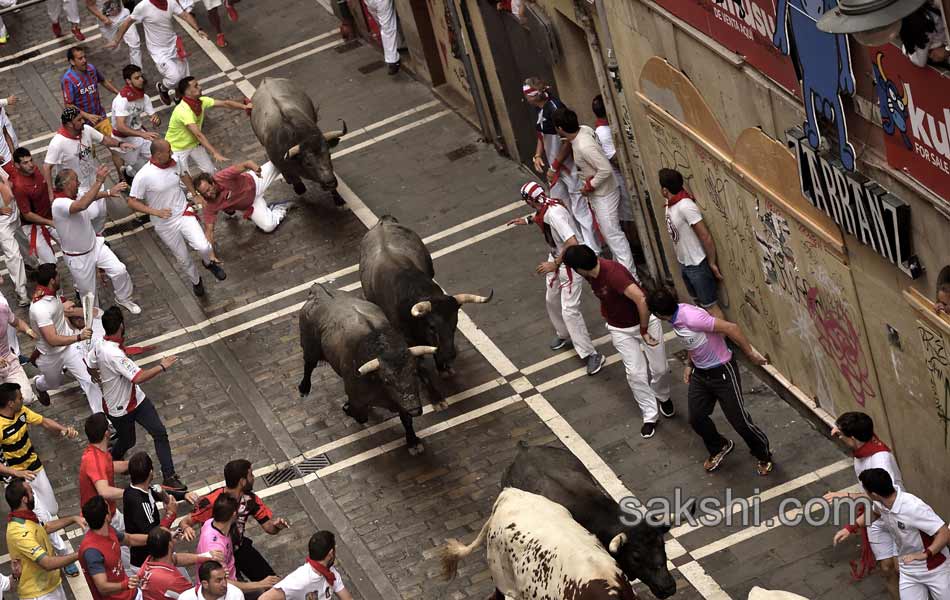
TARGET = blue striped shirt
(82,90)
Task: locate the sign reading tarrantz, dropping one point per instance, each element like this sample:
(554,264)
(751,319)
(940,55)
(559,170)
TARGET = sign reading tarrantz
(860,206)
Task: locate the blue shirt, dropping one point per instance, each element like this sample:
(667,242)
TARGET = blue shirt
(82,89)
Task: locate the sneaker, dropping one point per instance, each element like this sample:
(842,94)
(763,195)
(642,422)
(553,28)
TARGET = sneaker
(71,570)
(220,42)
(216,270)
(42,396)
(57,30)
(173,483)
(130,306)
(559,343)
(393,68)
(23,302)
(712,463)
(763,467)
(199,288)
(163,93)
(78,34)
(666,408)
(232,14)
(595,362)
(647,431)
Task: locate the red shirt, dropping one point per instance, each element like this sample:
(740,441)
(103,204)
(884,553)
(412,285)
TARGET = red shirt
(249,505)
(96,465)
(609,286)
(31,194)
(236,191)
(110,549)
(155,578)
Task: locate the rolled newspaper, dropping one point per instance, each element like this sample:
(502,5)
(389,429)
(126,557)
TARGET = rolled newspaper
(88,306)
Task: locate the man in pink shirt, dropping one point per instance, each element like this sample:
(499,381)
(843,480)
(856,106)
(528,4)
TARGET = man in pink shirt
(713,376)
(240,187)
(216,535)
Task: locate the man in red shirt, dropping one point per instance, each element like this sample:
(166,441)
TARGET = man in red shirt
(159,573)
(241,187)
(633,331)
(100,556)
(32,198)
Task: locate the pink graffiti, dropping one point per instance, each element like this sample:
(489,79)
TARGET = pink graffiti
(840,341)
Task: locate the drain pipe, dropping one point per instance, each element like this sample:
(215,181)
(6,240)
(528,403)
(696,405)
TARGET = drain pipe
(467,63)
(609,82)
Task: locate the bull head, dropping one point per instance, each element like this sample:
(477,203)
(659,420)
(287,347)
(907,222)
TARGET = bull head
(333,137)
(373,365)
(292,152)
(421,309)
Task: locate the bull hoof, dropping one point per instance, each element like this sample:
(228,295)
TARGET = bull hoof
(304,391)
(417,449)
(300,189)
(338,199)
(440,405)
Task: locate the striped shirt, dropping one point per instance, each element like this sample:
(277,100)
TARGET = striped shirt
(82,90)
(15,443)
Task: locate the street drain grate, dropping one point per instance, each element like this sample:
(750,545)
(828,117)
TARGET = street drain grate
(373,66)
(462,152)
(350,45)
(281,475)
(312,465)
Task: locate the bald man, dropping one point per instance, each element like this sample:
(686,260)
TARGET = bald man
(158,191)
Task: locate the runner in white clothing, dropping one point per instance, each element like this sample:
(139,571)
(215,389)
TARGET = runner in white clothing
(158,190)
(130,109)
(384,12)
(8,138)
(157,18)
(317,578)
(83,250)
(111,15)
(212,582)
(9,224)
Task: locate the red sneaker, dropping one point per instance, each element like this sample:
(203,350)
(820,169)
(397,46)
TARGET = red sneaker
(77,33)
(57,30)
(232,13)
(220,41)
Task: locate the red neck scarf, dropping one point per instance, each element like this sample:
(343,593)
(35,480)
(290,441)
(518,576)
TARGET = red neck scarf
(67,133)
(25,514)
(323,570)
(871,447)
(546,203)
(160,4)
(117,339)
(677,197)
(171,163)
(42,291)
(194,103)
(601,122)
(131,93)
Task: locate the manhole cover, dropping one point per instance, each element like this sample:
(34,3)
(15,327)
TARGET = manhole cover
(280,476)
(373,66)
(312,465)
(462,152)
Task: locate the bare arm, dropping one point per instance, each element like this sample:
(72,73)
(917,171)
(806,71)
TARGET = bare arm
(48,175)
(344,594)
(273,594)
(229,104)
(138,206)
(209,232)
(54,339)
(56,427)
(147,374)
(106,587)
(735,333)
(91,5)
(51,526)
(124,27)
(709,245)
(190,19)
(92,194)
(634,293)
(203,140)
(255,586)
(55,563)
(107,83)
(122,127)
(107,491)
(32,217)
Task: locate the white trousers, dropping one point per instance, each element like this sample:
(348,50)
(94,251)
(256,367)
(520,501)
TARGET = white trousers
(606,209)
(385,14)
(12,341)
(51,367)
(139,155)
(562,297)
(645,366)
(199,156)
(172,70)
(931,585)
(54,8)
(17,375)
(47,508)
(180,232)
(83,269)
(11,254)
(267,218)
(131,37)
(626,210)
(44,251)
(567,190)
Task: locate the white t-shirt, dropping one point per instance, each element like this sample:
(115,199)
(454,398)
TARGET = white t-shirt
(194,593)
(67,153)
(562,227)
(160,33)
(14,216)
(680,219)
(160,188)
(304,580)
(880,460)
(132,110)
(5,585)
(76,232)
(606,139)
(48,310)
(116,372)
(906,522)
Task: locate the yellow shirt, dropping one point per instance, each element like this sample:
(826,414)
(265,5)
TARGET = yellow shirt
(178,135)
(28,542)
(16,447)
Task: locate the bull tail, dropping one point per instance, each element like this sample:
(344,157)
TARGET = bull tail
(454,551)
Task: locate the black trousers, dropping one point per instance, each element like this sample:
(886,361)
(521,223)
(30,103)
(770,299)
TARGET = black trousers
(250,565)
(722,384)
(146,416)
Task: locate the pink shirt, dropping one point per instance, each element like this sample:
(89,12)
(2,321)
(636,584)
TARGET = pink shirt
(694,326)
(212,539)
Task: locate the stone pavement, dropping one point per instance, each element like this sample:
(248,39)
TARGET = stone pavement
(233,392)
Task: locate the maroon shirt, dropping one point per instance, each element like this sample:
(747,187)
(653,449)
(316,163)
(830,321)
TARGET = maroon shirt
(609,286)
(236,191)
(31,194)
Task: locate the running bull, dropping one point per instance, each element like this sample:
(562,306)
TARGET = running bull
(377,367)
(536,550)
(285,121)
(396,273)
(560,477)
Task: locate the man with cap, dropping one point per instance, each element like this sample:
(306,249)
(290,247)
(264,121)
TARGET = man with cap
(563,286)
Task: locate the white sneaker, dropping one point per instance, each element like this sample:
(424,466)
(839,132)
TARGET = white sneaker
(130,306)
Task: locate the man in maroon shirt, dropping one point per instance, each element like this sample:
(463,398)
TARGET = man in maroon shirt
(240,188)
(633,331)
(32,198)
(100,556)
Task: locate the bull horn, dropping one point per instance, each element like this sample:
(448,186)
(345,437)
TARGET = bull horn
(619,540)
(369,367)
(422,350)
(292,152)
(473,298)
(420,309)
(338,133)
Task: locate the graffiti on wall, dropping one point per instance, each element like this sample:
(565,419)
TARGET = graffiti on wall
(937,362)
(672,151)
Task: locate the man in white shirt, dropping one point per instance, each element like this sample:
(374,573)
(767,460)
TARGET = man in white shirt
(83,251)
(605,136)
(71,148)
(157,18)
(130,109)
(693,242)
(8,137)
(58,347)
(598,184)
(563,285)
(318,576)
(213,582)
(159,191)
(9,224)
(111,14)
